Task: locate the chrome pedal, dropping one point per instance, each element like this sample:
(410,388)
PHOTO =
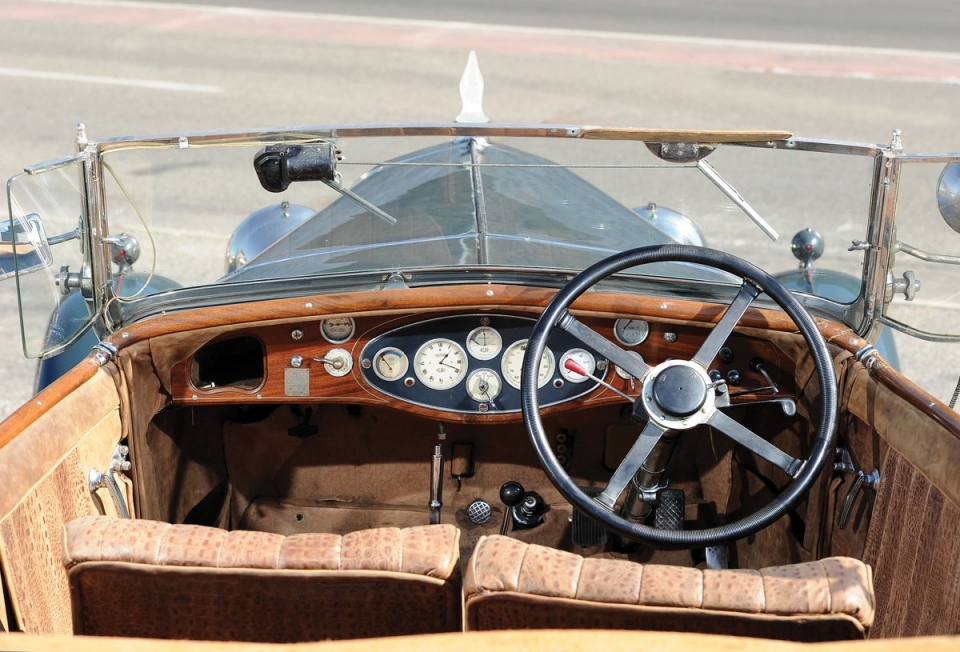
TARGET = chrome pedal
(670,511)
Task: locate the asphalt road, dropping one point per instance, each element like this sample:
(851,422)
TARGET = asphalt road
(854,72)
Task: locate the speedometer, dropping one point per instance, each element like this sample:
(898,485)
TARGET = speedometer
(512,364)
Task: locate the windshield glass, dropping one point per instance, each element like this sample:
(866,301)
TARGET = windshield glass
(202,218)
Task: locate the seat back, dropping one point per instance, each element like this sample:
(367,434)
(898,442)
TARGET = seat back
(155,580)
(513,585)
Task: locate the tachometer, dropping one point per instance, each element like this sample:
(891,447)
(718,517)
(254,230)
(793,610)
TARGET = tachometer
(440,363)
(512,364)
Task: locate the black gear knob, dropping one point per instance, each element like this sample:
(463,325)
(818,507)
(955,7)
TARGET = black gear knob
(511,493)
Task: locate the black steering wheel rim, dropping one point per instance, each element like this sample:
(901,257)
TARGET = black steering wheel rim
(823,443)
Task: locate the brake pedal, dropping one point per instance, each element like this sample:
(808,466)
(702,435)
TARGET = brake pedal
(669,514)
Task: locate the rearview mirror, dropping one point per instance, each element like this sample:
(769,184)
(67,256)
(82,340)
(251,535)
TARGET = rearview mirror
(23,246)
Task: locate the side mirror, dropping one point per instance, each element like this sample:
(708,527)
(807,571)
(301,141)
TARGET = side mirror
(23,246)
(948,195)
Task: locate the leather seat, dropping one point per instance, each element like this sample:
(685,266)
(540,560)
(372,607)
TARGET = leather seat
(513,585)
(155,580)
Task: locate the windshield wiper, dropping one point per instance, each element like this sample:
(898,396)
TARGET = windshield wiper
(337,184)
(731,192)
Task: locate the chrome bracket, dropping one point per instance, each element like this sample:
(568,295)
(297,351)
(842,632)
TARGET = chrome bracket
(864,480)
(104,352)
(97,480)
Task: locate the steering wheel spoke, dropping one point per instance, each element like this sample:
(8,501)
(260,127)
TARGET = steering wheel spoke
(632,364)
(628,468)
(708,350)
(746,437)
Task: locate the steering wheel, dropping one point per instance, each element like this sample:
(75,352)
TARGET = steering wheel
(678,395)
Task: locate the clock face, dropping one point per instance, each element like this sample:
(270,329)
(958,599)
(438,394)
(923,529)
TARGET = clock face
(440,363)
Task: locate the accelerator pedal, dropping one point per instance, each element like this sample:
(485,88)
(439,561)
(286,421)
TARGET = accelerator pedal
(584,531)
(669,514)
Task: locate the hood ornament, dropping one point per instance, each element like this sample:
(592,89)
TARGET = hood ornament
(471,92)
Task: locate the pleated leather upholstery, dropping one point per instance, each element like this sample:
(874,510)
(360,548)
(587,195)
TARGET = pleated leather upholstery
(157,580)
(510,584)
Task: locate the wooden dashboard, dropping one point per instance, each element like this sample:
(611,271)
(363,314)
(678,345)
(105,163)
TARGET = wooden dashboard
(356,358)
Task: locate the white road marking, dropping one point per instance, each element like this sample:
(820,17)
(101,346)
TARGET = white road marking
(816,48)
(110,81)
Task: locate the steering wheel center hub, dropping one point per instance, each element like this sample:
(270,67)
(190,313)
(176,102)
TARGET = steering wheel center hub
(678,395)
(679,391)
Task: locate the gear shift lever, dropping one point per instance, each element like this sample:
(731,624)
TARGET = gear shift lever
(511,495)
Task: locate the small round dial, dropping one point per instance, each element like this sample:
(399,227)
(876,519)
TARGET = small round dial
(512,364)
(484,343)
(440,363)
(483,385)
(337,329)
(390,363)
(581,357)
(631,331)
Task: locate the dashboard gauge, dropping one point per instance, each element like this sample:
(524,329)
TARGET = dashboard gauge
(623,373)
(631,331)
(483,385)
(512,364)
(337,330)
(390,363)
(484,343)
(440,363)
(581,357)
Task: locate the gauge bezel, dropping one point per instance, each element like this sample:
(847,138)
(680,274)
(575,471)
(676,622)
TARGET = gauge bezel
(403,357)
(459,375)
(337,340)
(514,381)
(490,396)
(630,341)
(496,349)
(573,377)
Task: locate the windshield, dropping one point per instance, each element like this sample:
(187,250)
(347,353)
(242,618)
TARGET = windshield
(468,202)
(201,216)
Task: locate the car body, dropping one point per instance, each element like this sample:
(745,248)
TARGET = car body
(324,332)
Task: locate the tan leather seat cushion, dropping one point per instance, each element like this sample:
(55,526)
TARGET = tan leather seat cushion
(157,580)
(510,584)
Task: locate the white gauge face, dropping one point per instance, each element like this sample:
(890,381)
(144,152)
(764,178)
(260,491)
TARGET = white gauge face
(390,363)
(337,329)
(484,343)
(512,364)
(581,358)
(631,331)
(623,373)
(440,363)
(483,385)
